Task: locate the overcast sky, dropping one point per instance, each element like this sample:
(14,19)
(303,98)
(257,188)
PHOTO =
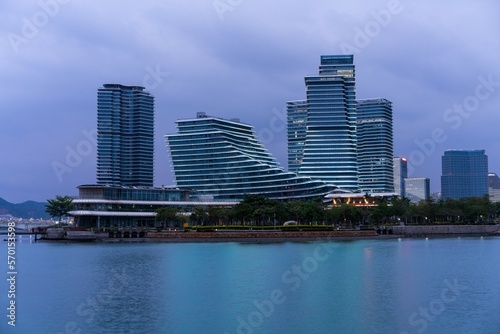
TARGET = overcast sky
(437,61)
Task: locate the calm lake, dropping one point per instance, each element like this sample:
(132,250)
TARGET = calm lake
(449,285)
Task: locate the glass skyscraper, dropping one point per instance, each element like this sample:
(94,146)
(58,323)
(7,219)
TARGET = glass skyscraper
(375,145)
(223,160)
(417,189)
(296,131)
(400,173)
(125,136)
(464,174)
(329,151)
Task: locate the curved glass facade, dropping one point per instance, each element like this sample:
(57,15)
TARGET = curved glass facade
(224,159)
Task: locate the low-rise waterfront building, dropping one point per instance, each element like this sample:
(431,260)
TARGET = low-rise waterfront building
(367,199)
(116,206)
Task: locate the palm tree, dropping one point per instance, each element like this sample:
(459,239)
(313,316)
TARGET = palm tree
(59,206)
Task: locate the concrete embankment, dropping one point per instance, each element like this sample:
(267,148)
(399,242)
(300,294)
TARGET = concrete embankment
(258,236)
(446,230)
(273,235)
(215,236)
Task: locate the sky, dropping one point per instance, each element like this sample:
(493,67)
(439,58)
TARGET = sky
(436,60)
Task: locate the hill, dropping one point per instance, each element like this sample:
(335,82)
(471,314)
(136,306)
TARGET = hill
(28,209)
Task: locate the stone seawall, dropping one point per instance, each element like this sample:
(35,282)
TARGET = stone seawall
(446,230)
(261,235)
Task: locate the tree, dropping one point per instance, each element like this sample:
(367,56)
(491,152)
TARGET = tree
(313,212)
(351,214)
(255,208)
(380,213)
(199,215)
(165,215)
(400,206)
(295,208)
(59,206)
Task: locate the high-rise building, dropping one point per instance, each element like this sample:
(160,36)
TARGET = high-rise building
(494,187)
(400,173)
(296,130)
(464,174)
(329,152)
(224,160)
(125,136)
(375,145)
(417,189)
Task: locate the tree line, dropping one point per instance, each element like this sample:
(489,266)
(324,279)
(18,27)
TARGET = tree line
(258,210)
(261,211)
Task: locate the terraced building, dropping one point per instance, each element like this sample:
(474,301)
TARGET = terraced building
(224,160)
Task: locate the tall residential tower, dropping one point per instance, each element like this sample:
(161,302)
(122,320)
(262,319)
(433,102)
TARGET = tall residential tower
(329,151)
(296,130)
(400,166)
(375,145)
(125,136)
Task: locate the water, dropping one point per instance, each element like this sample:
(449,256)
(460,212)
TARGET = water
(367,286)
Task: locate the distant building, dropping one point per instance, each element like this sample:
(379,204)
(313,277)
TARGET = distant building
(436,196)
(494,187)
(329,151)
(224,160)
(464,174)
(296,131)
(400,174)
(417,189)
(375,145)
(125,136)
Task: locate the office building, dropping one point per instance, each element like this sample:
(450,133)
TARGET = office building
(296,131)
(125,136)
(223,160)
(329,152)
(417,189)
(375,145)
(464,174)
(494,187)
(400,166)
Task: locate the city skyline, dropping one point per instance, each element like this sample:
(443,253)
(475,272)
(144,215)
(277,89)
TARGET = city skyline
(441,75)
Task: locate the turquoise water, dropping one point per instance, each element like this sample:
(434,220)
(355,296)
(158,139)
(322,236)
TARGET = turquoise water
(367,286)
